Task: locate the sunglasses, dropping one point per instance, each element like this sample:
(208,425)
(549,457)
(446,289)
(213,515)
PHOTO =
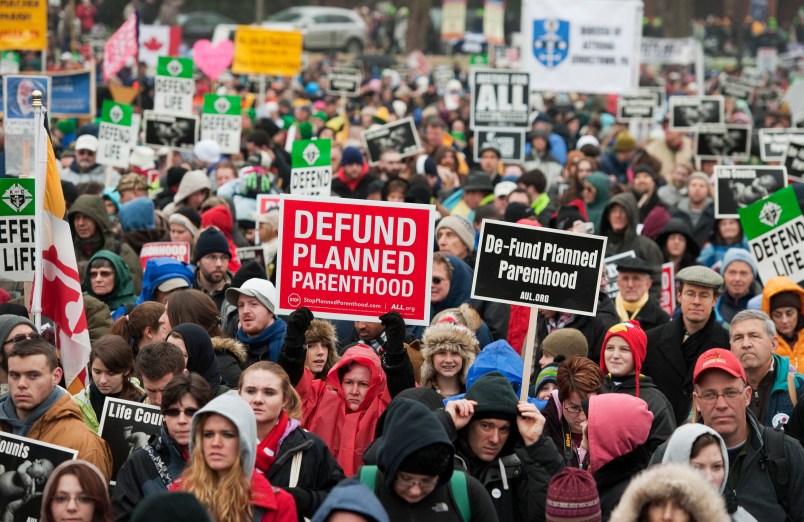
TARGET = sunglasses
(175,412)
(102,273)
(23,337)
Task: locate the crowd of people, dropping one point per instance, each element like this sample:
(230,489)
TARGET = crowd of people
(644,411)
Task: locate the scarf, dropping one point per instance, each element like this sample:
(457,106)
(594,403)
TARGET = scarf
(559,322)
(626,310)
(269,446)
(8,413)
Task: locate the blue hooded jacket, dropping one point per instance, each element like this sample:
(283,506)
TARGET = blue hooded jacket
(498,357)
(354,497)
(159,270)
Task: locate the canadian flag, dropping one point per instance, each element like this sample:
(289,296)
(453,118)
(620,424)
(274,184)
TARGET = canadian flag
(158,40)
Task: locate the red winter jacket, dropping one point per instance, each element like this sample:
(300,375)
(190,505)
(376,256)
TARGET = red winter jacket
(347,433)
(221,218)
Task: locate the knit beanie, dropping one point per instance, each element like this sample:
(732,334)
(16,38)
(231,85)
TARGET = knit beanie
(211,241)
(635,336)
(789,299)
(430,460)
(698,175)
(548,374)
(495,398)
(351,155)
(738,254)
(175,506)
(625,142)
(566,342)
(188,218)
(572,496)
(8,322)
(249,270)
(462,227)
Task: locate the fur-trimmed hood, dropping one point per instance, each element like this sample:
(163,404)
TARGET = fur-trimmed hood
(450,337)
(234,347)
(321,331)
(698,497)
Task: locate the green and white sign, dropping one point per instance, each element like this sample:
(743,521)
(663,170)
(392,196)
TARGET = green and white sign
(174,86)
(115,134)
(9,62)
(17,244)
(775,230)
(220,121)
(311,174)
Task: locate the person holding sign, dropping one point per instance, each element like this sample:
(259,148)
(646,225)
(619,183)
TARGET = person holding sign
(76,491)
(111,367)
(266,387)
(221,472)
(344,409)
(38,408)
(152,470)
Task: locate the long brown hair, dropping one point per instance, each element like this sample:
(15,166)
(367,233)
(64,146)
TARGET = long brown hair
(227,498)
(293,406)
(194,306)
(132,327)
(115,353)
(93,485)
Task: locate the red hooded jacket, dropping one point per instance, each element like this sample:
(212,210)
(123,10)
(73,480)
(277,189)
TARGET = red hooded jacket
(221,218)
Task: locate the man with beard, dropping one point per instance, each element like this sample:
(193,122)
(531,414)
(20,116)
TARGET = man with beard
(212,258)
(84,168)
(389,166)
(646,181)
(260,330)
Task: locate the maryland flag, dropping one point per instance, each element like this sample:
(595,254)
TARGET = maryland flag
(57,285)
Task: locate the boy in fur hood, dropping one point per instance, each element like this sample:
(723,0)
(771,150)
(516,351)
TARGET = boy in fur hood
(448,349)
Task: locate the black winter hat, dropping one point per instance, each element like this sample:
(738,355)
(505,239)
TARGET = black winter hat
(211,241)
(249,270)
(495,398)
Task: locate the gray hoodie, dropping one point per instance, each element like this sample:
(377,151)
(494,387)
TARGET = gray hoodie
(679,449)
(231,406)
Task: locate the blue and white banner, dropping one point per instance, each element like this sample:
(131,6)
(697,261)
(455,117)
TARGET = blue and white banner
(73,94)
(588,46)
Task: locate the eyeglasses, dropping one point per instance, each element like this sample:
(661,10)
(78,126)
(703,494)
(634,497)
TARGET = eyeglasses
(572,408)
(80,499)
(219,258)
(729,395)
(23,337)
(175,412)
(100,273)
(438,280)
(423,484)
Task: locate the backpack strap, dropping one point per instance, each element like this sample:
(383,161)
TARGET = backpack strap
(295,469)
(368,476)
(459,487)
(778,468)
(791,388)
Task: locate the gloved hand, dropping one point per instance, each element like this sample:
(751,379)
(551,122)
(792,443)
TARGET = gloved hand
(298,323)
(394,332)
(304,500)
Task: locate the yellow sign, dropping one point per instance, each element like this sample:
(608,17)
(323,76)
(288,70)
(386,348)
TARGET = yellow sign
(23,25)
(263,51)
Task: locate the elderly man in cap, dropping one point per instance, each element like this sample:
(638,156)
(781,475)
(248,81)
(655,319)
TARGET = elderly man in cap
(633,300)
(84,168)
(260,330)
(674,347)
(132,186)
(478,191)
(766,467)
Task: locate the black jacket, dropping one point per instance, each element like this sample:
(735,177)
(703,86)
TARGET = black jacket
(664,422)
(613,478)
(670,361)
(319,473)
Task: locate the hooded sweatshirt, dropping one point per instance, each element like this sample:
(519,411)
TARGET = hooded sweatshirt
(103,239)
(594,210)
(122,293)
(201,357)
(351,496)
(274,503)
(221,218)
(792,348)
(347,433)
(159,270)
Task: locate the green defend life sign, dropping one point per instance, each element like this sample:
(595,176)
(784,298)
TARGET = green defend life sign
(221,122)
(115,135)
(17,243)
(311,174)
(774,227)
(174,86)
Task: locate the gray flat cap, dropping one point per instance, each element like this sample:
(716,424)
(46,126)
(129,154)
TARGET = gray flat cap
(700,275)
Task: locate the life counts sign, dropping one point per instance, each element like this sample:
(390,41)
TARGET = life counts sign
(551,269)
(775,231)
(127,426)
(355,260)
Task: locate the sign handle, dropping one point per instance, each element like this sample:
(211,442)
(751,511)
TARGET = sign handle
(530,341)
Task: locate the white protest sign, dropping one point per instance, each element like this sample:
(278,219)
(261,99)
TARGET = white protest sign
(311,174)
(174,86)
(115,134)
(221,122)
(500,99)
(589,46)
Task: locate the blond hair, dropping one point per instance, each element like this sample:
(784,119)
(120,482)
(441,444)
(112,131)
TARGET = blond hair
(293,405)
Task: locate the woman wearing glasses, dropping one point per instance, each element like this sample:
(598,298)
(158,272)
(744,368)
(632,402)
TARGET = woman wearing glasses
(153,469)
(76,491)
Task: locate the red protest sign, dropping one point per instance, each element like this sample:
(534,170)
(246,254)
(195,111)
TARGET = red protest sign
(355,260)
(178,251)
(668,293)
(266,202)
(120,47)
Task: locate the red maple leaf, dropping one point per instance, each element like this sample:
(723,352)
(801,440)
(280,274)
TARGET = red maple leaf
(153,44)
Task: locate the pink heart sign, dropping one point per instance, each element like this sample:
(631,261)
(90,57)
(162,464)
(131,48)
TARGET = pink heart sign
(213,60)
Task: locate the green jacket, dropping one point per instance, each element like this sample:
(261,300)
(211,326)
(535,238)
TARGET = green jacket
(81,399)
(123,291)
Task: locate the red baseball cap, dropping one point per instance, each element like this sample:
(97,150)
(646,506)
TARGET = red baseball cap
(718,359)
